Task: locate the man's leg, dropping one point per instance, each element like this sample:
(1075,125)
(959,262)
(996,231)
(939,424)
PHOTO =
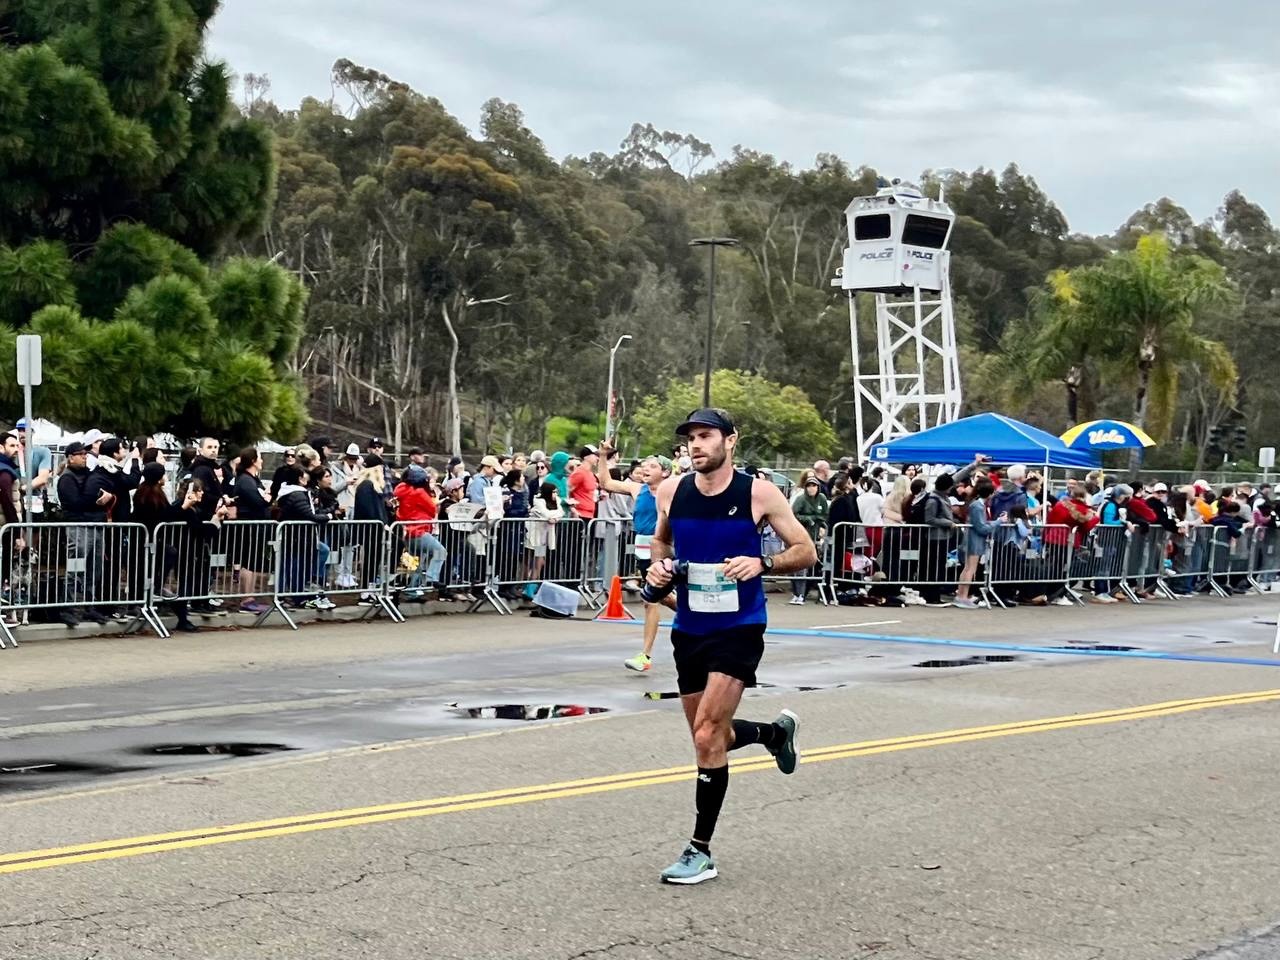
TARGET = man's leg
(710,716)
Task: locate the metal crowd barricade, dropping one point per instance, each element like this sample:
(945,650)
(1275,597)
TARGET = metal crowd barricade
(1190,552)
(1228,560)
(436,560)
(308,566)
(530,552)
(1099,563)
(70,572)
(1145,552)
(206,565)
(1024,568)
(1264,562)
(611,551)
(818,577)
(886,559)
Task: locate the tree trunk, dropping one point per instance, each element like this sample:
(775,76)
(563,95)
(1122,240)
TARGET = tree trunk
(1140,412)
(1072,383)
(455,410)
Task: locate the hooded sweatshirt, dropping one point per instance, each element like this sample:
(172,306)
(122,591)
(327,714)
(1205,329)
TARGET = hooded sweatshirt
(558,477)
(811,511)
(10,491)
(1006,498)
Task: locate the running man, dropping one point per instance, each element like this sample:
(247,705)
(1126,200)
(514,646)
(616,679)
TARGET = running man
(711,519)
(654,471)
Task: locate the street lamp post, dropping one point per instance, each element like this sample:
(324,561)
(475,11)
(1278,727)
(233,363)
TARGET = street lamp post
(711,242)
(608,400)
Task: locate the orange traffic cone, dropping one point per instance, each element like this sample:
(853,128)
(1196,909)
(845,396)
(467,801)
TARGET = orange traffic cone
(614,610)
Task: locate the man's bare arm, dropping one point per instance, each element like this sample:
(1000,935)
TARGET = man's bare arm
(607,483)
(800,553)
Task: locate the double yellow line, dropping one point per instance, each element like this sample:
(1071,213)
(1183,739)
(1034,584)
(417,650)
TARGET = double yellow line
(385,813)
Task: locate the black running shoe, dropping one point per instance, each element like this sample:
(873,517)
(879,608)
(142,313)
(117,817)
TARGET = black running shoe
(786,754)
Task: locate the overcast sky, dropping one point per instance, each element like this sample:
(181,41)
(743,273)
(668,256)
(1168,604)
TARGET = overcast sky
(1108,105)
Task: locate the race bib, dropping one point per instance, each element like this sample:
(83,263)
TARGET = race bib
(710,591)
(644,548)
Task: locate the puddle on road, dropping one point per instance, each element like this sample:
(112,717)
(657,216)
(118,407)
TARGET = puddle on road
(16,775)
(975,661)
(525,711)
(213,749)
(943,664)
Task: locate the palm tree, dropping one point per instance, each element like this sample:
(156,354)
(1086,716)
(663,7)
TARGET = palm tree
(1136,314)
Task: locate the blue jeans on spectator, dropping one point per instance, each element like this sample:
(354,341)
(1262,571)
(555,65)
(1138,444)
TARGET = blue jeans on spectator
(426,548)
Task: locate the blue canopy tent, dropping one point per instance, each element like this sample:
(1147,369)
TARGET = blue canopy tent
(1001,438)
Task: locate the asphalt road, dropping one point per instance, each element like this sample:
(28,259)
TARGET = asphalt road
(1047,803)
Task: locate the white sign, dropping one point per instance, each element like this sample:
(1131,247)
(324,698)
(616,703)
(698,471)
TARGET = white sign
(493,502)
(29,361)
(1267,457)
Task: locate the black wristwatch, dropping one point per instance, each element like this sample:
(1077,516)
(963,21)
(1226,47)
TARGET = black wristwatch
(766,563)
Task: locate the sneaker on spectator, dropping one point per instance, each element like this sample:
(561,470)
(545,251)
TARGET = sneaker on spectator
(1063,602)
(1102,598)
(254,606)
(320,603)
(367,600)
(964,603)
(346,581)
(796,601)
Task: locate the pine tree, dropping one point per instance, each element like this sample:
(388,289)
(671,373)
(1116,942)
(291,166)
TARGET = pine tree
(124,172)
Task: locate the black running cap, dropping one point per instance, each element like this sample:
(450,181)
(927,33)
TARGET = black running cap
(707,417)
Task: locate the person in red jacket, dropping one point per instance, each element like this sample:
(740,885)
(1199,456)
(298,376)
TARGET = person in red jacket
(1142,540)
(417,512)
(1069,522)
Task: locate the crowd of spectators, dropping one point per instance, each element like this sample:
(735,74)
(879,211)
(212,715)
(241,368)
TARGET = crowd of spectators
(981,513)
(895,536)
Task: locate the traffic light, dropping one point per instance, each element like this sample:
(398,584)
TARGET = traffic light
(1240,438)
(1217,440)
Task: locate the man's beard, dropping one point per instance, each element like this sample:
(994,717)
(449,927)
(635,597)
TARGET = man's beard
(711,461)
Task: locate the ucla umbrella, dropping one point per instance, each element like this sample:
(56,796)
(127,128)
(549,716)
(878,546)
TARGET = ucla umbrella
(1106,435)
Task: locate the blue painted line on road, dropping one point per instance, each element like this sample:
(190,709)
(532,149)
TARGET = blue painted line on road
(1026,648)
(1016,647)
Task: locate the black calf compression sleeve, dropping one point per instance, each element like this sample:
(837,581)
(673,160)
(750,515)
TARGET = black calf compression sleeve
(747,732)
(709,797)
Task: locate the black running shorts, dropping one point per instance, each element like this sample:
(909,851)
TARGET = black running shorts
(735,652)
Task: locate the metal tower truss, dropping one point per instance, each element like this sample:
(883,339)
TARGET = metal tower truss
(916,383)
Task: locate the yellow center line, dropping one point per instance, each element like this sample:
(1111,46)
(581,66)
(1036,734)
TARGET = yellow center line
(385,813)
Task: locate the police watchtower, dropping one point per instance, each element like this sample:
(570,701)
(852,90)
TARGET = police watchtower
(898,252)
